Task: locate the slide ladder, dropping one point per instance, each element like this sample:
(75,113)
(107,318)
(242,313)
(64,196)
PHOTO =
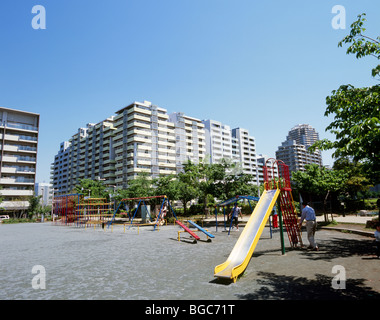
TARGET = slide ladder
(290,218)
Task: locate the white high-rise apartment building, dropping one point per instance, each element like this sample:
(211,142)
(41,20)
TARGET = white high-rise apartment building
(294,150)
(218,140)
(18,143)
(44,190)
(235,144)
(141,137)
(244,149)
(190,139)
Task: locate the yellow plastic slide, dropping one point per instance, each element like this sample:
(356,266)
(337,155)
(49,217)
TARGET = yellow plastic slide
(246,244)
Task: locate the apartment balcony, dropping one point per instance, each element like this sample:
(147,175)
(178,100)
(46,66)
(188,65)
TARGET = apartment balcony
(139,139)
(110,181)
(109,134)
(16,193)
(15,148)
(167,171)
(18,170)
(14,205)
(166,165)
(138,117)
(139,110)
(18,137)
(170,157)
(137,170)
(145,147)
(17,181)
(119,180)
(118,144)
(109,161)
(109,175)
(139,124)
(141,162)
(141,132)
(170,144)
(22,127)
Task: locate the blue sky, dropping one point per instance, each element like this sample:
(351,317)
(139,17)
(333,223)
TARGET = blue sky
(265,66)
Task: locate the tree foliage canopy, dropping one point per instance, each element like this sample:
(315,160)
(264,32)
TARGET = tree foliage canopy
(356,111)
(202,181)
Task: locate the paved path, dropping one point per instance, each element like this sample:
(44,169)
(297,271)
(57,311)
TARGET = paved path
(347,218)
(105,264)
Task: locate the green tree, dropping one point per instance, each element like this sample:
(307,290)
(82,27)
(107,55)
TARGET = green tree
(231,181)
(356,111)
(316,180)
(141,186)
(92,188)
(362,45)
(165,185)
(187,184)
(34,205)
(356,181)
(208,175)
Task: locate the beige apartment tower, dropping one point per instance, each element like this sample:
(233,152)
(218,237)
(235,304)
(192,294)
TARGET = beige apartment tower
(294,151)
(140,137)
(18,143)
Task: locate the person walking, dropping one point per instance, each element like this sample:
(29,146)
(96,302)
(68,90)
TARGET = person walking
(235,213)
(308,214)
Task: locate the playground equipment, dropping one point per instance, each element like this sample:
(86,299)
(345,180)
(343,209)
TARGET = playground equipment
(94,211)
(164,208)
(226,203)
(74,209)
(205,231)
(288,215)
(276,186)
(192,232)
(64,207)
(195,236)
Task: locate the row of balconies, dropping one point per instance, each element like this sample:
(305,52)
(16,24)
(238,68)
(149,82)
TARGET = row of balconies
(15,205)
(18,169)
(18,159)
(19,138)
(18,148)
(15,193)
(19,126)
(16,180)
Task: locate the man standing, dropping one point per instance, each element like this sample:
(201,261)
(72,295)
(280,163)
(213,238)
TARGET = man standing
(308,214)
